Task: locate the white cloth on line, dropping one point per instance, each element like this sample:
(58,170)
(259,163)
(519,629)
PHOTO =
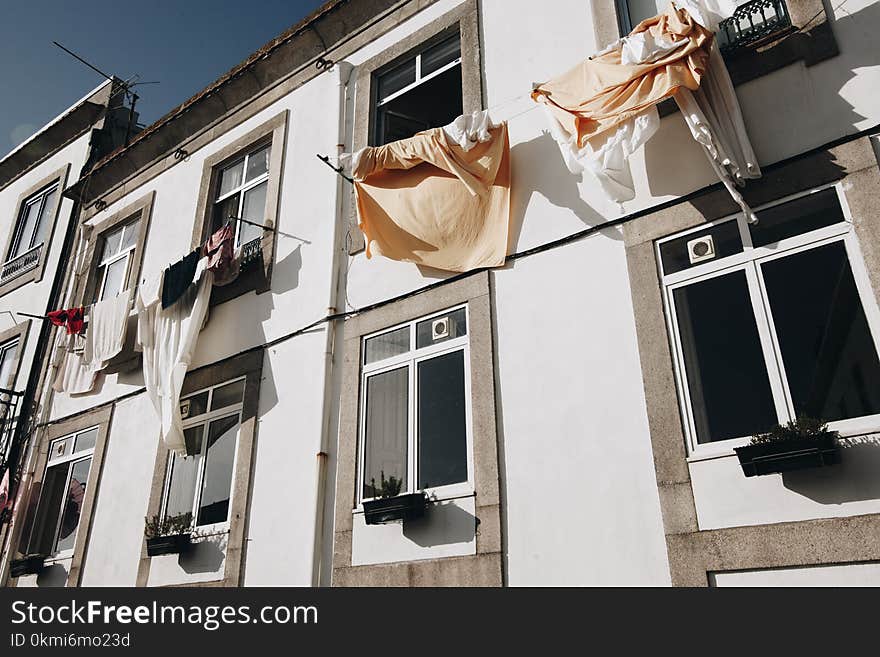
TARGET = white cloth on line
(715,120)
(468,130)
(74,376)
(105,335)
(168,339)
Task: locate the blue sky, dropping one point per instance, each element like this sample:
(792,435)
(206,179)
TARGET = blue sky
(185,44)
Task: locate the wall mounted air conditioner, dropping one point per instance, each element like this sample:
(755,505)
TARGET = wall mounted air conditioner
(700,249)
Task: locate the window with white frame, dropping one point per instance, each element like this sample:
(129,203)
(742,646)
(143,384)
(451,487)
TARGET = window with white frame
(8,352)
(117,250)
(34,219)
(415,410)
(773,321)
(422,91)
(241,193)
(200,482)
(62,493)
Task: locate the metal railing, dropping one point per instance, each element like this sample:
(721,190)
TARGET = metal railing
(20,264)
(753,22)
(250,250)
(9,400)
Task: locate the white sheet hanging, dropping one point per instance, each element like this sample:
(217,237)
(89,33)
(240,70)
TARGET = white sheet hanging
(75,376)
(105,335)
(168,339)
(468,130)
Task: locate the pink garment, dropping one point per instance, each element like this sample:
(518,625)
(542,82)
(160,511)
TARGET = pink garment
(220,251)
(5,500)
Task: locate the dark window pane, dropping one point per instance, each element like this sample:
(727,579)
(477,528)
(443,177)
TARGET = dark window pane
(827,349)
(184,473)
(51,499)
(439,55)
(224,210)
(228,395)
(258,163)
(674,253)
(45,218)
(797,217)
(727,379)
(194,405)
(454,326)
(397,78)
(217,481)
(442,422)
(386,433)
(389,344)
(432,104)
(76,492)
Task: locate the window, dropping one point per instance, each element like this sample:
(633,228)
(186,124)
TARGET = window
(424,91)
(201,482)
(241,193)
(114,266)
(33,225)
(415,426)
(63,493)
(771,321)
(8,353)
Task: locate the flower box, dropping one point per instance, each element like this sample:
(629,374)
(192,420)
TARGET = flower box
(172,544)
(787,455)
(30,565)
(393,509)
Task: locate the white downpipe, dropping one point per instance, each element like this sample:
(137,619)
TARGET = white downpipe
(344,72)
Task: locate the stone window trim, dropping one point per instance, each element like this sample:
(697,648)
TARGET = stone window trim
(274,132)
(102,418)
(485,567)
(141,209)
(249,365)
(18,332)
(466,17)
(36,274)
(811,46)
(694,553)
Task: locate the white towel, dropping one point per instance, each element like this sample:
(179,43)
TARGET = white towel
(74,375)
(105,335)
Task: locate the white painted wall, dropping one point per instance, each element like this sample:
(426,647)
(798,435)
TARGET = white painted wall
(857,574)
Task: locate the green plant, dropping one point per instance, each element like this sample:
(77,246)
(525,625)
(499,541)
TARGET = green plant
(168,526)
(801,428)
(389,487)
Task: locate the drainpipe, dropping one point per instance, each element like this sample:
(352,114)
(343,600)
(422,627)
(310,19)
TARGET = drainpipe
(344,72)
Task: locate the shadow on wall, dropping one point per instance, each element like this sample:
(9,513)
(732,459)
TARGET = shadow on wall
(862,52)
(857,478)
(443,524)
(205,557)
(548,176)
(285,273)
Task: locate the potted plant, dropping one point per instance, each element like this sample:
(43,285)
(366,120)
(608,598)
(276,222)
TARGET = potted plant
(32,564)
(168,535)
(801,443)
(390,505)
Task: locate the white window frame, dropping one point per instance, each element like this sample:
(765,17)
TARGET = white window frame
(119,255)
(411,360)
(419,78)
(40,197)
(749,261)
(205,419)
(5,349)
(245,186)
(70,458)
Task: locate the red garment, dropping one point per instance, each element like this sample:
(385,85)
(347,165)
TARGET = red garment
(220,251)
(72,318)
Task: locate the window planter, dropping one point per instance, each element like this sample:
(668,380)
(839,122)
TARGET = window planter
(173,544)
(30,565)
(393,509)
(787,455)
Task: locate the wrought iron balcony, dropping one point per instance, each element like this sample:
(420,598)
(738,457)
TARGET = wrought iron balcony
(752,23)
(9,400)
(21,264)
(250,250)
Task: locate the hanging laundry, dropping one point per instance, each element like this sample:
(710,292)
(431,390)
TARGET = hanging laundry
(220,251)
(108,320)
(178,278)
(72,318)
(167,337)
(5,500)
(431,201)
(75,376)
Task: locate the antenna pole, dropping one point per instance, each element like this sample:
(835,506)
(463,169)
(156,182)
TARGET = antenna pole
(73,54)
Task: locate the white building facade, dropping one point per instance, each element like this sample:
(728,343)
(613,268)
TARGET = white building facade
(572,414)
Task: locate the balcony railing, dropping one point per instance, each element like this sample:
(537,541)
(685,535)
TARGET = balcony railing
(8,419)
(21,264)
(753,22)
(250,250)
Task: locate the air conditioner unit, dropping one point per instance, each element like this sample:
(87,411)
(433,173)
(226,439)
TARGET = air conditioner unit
(440,329)
(700,249)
